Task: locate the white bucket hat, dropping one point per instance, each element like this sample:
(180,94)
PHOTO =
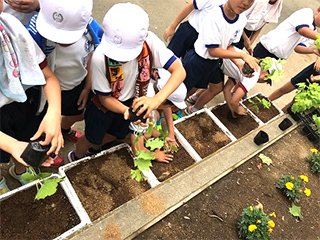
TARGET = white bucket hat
(178,95)
(63,21)
(125,29)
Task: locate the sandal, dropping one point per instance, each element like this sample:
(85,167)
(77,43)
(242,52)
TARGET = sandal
(3,186)
(12,172)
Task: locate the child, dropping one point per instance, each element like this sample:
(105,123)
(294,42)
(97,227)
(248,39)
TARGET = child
(62,32)
(221,28)
(176,99)
(237,86)
(294,33)
(260,13)
(121,69)
(187,33)
(311,72)
(19,72)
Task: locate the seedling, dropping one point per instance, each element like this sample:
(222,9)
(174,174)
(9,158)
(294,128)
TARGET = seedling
(317,42)
(45,186)
(262,101)
(273,68)
(316,120)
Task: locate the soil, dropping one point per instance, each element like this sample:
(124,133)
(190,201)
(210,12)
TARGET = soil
(215,212)
(22,217)
(195,130)
(181,161)
(104,183)
(264,114)
(247,122)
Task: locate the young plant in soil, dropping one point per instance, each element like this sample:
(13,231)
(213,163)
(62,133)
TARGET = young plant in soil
(144,158)
(314,161)
(307,97)
(259,101)
(45,187)
(255,224)
(293,187)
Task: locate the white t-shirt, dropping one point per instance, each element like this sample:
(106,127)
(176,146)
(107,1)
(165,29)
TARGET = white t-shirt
(22,17)
(202,7)
(71,62)
(282,40)
(162,57)
(231,70)
(218,31)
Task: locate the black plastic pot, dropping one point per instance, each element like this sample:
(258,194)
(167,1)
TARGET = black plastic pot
(261,137)
(286,123)
(35,154)
(293,115)
(312,137)
(134,117)
(306,130)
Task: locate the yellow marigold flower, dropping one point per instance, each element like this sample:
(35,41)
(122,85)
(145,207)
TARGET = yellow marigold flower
(313,150)
(271,224)
(252,227)
(251,208)
(304,178)
(258,221)
(273,214)
(307,191)
(289,185)
(292,178)
(270,230)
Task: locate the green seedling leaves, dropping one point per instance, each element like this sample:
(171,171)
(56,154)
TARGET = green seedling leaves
(276,73)
(174,148)
(265,159)
(29,177)
(137,175)
(154,143)
(48,188)
(317,42)
(316,120)
(295,211)
(308,96)
(142,165)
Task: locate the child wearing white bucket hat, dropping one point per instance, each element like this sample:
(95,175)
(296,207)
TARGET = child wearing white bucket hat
(121,71)
(67,34)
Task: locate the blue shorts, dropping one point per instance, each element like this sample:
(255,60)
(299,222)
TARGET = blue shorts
(19,120)
(69,99)
(304,75)
(99,123)
(183,39)
(201,71)
(261,52)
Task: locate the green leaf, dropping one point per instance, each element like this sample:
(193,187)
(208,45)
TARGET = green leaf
(144,155)
(142,165)
(154,143)
(295,211)
(29,177)
(137,175)
(174,148)
(265,159)
(48,188)
(316,120)
(317,42)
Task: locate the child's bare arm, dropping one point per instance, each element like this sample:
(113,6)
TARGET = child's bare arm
(50,125)
(308,33)
(169,121)
(187,9)
(83,98)
(306,50)
(114,105)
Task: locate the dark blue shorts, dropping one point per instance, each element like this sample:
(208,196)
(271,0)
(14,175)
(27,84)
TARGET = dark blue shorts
(69,99)
(183,39)
(304,75)
(201,71)
(261,52)
(98,123)
(19,121)
(240,44)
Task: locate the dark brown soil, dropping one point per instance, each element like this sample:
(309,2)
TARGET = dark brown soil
(104,183)
(214,213)
(180,161)
(22,217)
(203,134)
(264,114)
(239,126)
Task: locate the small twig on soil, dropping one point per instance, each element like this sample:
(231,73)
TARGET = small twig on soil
(215,216)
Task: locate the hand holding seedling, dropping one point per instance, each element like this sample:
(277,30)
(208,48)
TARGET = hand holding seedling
(147,104)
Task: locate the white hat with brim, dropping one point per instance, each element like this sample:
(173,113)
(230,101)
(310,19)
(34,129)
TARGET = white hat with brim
(125,30)
(63,21)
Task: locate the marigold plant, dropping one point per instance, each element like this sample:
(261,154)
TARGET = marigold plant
(293,187)
(255,224)
(314,161)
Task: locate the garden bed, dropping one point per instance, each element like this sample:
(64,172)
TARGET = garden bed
(104,182)
(214,213)
(239,126)
(202,133)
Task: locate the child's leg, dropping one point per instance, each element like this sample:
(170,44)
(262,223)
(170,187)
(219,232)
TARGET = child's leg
(82,146)
(235,99)
(227,90)
(68,121)
(208,94)
(286,88)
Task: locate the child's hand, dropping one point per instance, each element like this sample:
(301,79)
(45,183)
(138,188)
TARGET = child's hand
(316,51)
(252,61)
(315,78)
(168,33)
(146,103)
(18,150)
(83,98)
(317,65)
(161,156)
(171,142)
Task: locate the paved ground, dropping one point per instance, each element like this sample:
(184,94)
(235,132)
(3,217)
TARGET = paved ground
(161,13)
